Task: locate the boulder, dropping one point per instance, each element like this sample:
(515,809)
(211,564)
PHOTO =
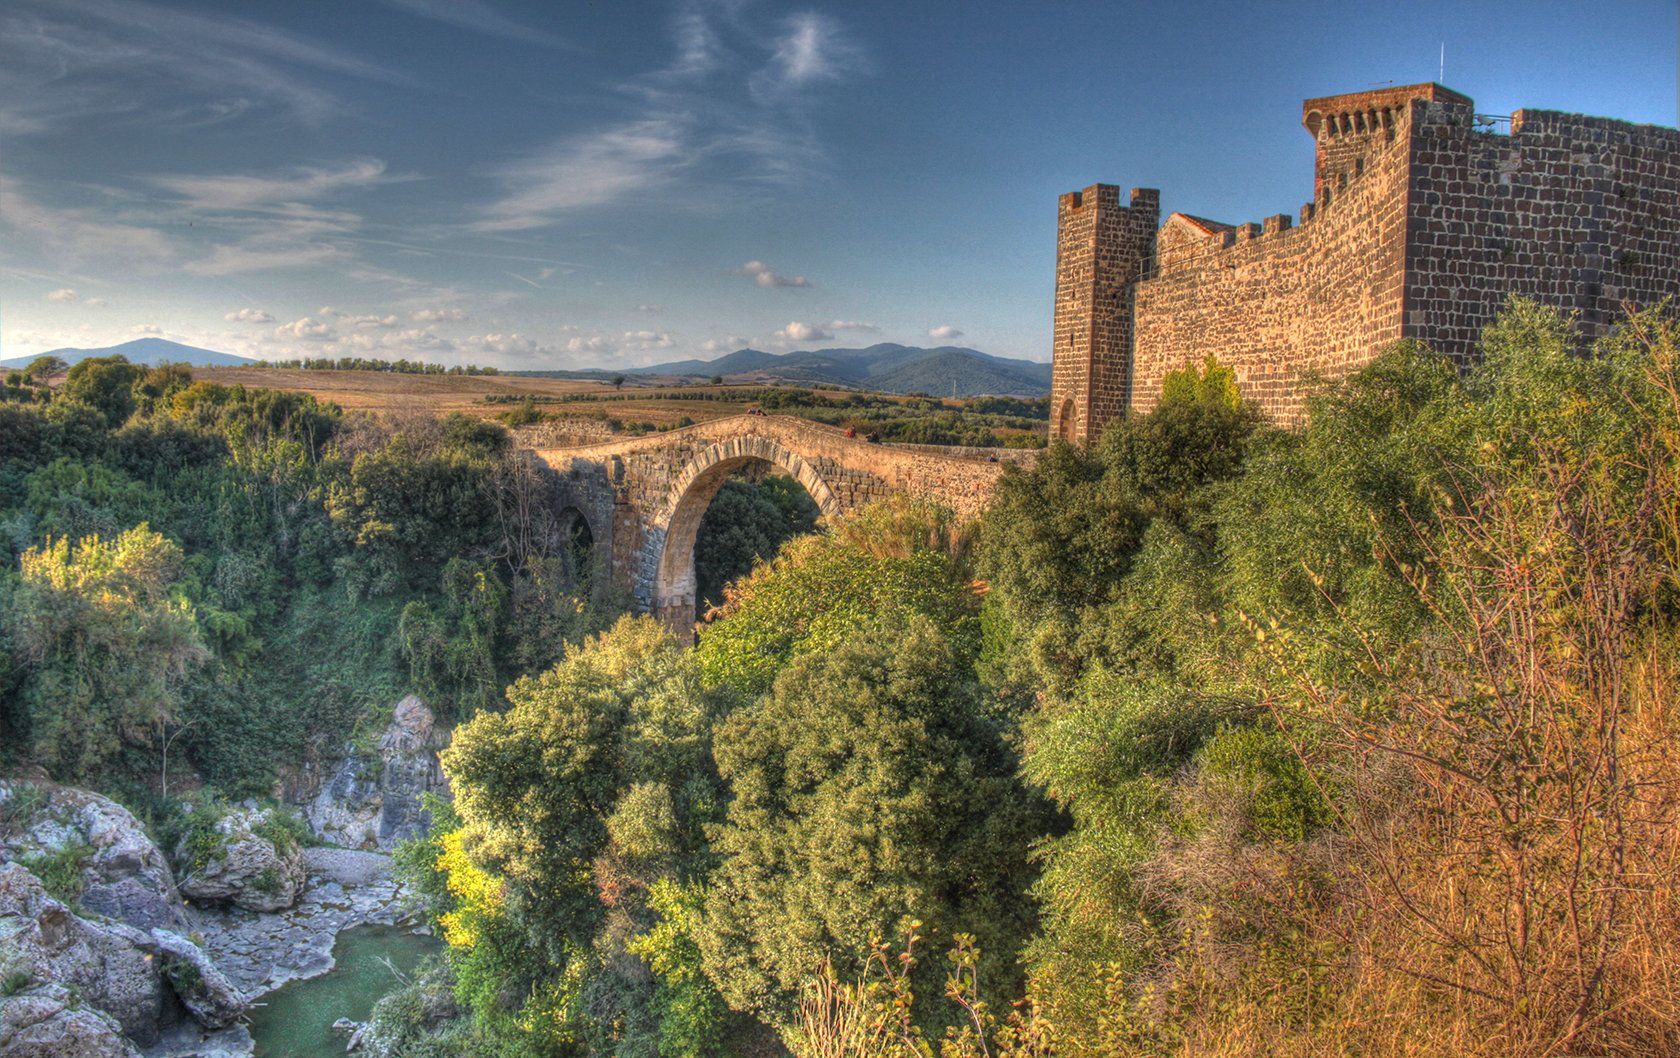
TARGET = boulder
(110,964)
(208,996)
(45,1021)
(248,863)
(125,876)
(373,802)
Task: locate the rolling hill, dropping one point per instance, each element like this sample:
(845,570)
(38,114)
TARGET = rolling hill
(148,351)
(891,368)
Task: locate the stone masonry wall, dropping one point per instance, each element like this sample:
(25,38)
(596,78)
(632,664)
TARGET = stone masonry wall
(1578,212)
(1275,301)
(1101,249)
(1423,223)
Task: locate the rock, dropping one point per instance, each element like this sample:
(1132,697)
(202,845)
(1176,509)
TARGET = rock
(125,876)
(202,989)
(245,868)
(346,1028)
(46,1022)
(375,802)
(111,964)
(261,952)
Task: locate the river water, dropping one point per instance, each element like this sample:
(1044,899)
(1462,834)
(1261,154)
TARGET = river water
(370,961)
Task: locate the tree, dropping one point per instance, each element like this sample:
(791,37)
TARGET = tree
(867,787)
(105,383)
(746,523)
(106,642)
(575,805)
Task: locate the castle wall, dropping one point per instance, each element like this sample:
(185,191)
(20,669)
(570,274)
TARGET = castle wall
(1578,212)
(1101,248)
(1277,301)
(1423,225)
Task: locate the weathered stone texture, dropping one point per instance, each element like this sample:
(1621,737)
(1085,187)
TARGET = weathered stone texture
(643,498)
(1424,220)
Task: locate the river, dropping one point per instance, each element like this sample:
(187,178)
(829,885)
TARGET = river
(296,1021)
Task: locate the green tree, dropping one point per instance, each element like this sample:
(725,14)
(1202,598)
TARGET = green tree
(106,384)
(868,786)
(575,803)
(745,524)
(106,642)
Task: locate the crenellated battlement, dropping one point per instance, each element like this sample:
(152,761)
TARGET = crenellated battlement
(1425,217)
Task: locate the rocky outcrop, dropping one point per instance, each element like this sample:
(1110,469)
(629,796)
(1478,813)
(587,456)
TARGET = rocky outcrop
(123,875)
(245,860)
(46,1021)
(208,996)
(373,802)
(140,981)
(262,952)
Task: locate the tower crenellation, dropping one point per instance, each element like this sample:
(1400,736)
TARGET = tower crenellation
(1425,217)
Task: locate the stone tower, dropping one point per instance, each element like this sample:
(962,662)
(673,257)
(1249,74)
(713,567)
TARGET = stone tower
(1102,249)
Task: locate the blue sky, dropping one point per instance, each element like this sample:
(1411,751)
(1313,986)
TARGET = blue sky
(580,184)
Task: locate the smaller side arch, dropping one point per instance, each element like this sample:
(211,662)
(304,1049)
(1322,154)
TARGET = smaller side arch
(665,584)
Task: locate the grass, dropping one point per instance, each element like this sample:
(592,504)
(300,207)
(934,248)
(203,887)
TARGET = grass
(60,872)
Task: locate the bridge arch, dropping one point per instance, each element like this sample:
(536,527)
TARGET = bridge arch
(666,584)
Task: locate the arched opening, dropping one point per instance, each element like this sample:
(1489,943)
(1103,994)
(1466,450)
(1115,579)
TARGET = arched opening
(757,509)
(668,583)
(577,550)
(1066,427)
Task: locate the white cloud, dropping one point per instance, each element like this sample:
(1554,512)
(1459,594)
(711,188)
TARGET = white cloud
(79,232)
(439,315)
(597,343)
(249,316)
(764,277)
(307,329)
(596,169)
(853,325)
(514,344)
(97,303)
(803,332)
(65,295)
(265,194)
(721,345)
(811,48)
(944,334)
(478,17)
(228,260)
(648,340)
(695,129)
(650,308)
(145,329)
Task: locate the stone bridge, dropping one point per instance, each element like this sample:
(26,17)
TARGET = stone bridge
(640,500)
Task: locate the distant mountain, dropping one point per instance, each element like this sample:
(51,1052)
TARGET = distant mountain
(148,351)
(891,368)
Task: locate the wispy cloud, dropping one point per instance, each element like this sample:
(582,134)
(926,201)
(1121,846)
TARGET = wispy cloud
(256,256)
(478,17)
(274,194)
(689,135)
(764,277)
(64,294)
(590,170)
(811,49)
(249,316)
(439,315)
(78,232)
(62,60)
(944,334)
(853,325)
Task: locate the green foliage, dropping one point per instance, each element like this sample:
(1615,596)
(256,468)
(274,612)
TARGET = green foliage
(746,523)
(888,561)
(60,871)
(573,805)
(108,642)
(105,384)
(868,785)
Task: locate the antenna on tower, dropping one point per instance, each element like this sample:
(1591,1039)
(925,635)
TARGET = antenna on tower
(1442,79)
